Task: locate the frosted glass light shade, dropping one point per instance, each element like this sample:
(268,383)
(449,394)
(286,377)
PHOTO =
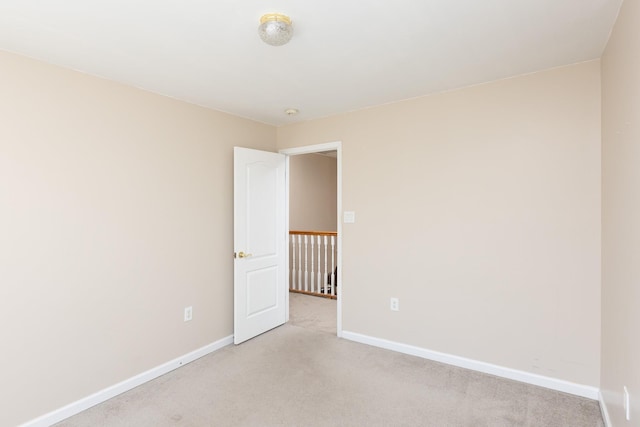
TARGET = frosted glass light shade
(275,29)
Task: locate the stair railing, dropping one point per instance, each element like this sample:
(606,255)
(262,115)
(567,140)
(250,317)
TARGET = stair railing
(313,256)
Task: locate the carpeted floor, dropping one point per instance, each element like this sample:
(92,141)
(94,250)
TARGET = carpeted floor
(297,376)
(314,313)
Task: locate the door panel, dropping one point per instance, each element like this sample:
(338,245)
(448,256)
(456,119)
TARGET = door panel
(262,180)
(262,291)
(259,242)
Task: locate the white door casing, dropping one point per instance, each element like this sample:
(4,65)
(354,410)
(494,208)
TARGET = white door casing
(260,238)
(319,148)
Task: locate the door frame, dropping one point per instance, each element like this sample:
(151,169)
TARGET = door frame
(310,149)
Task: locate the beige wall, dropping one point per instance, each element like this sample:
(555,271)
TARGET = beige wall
(621,216)
(312,193)
(480,210)
(116,212)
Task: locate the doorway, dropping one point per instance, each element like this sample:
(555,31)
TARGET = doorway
(335,148)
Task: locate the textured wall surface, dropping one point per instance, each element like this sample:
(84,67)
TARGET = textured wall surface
(480,210)
(621,216)
(116,212)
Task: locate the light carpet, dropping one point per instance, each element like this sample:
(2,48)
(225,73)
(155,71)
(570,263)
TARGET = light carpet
(298,376)
(314,313)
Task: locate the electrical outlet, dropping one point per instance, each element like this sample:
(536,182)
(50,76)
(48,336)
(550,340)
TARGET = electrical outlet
(625,403)
(395,304)
(188,313)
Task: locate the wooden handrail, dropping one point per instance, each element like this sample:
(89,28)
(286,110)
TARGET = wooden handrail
(314,233)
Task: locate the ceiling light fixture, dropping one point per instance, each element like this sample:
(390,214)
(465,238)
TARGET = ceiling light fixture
(291,111)
(275,29)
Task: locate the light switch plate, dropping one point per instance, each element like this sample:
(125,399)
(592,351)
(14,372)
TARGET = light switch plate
(349,217)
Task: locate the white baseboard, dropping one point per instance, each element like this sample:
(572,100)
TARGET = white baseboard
(487,368)
(126,385)
(604,410)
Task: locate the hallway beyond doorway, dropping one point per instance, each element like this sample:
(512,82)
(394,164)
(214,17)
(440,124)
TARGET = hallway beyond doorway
(314,313)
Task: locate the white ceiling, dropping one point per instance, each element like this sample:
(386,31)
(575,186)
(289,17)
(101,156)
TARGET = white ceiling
(344,55)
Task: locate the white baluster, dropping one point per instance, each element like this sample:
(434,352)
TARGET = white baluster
(306,259)
(313,241)
(326,276)
(319,272)
(334,279)
(292,285)
(299,262)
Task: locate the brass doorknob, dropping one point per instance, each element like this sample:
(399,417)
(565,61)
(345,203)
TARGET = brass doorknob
(243,255)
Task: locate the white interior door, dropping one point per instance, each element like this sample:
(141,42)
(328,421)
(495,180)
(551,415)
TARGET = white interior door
(260,238)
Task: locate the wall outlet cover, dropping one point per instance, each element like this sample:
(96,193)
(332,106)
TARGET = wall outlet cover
(626,404)
(188,313)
